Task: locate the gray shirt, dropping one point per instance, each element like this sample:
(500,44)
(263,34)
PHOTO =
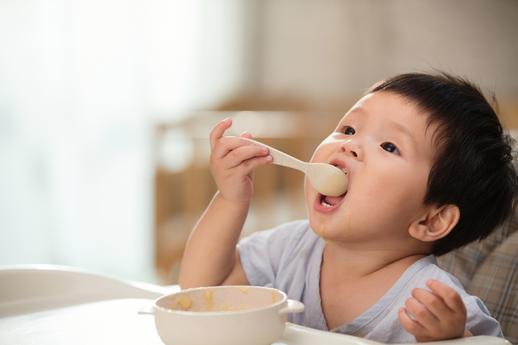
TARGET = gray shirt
(289,256)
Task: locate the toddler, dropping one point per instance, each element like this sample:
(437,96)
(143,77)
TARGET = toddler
(429,170)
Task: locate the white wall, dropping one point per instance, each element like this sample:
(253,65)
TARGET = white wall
(325,50)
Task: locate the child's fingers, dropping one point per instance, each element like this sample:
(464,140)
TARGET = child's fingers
(432,302)
(244,153)
(421,314)
(249,165)
(218,131)
(450,297)
(226,145)
(413,327)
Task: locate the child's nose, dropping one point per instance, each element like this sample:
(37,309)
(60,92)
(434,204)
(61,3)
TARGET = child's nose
(352,149)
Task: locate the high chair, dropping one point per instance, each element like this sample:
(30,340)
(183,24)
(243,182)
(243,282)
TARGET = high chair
(41,304)
(489,270)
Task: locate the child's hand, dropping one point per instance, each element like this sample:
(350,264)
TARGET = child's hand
(232,162)
(439,314)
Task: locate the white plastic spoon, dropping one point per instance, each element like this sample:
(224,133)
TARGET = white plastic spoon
(325,178)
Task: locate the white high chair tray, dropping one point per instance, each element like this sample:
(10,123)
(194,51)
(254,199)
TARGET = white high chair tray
(49,305)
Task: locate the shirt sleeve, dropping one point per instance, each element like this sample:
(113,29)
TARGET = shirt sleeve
(480,322)
(262,252)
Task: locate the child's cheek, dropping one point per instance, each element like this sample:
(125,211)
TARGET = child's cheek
(325,146)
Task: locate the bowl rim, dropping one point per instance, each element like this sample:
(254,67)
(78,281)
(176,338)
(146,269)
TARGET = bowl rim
(212,313)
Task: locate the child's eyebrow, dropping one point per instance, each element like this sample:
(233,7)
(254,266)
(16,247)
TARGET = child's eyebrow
(402,129)
(359,113)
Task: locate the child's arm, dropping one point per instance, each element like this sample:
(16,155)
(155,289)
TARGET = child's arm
(210,256)
(439,314)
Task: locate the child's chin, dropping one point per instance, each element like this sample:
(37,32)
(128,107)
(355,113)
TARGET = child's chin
(320,228)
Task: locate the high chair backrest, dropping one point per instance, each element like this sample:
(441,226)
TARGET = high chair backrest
(489,269)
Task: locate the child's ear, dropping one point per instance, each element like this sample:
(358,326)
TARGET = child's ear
(436,223)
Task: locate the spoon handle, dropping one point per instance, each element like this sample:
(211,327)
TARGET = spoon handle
(281,158)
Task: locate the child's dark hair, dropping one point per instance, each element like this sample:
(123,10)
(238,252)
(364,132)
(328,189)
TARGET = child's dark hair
(473,168)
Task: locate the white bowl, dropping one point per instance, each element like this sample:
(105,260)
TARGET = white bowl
(225,315)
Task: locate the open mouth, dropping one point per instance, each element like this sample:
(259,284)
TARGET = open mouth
(327,203)
(330,201)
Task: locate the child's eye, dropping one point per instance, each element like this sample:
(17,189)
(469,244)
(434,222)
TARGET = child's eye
(348,130)
(389,147)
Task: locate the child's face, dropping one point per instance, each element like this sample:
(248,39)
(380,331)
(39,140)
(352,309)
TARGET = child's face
(384,144)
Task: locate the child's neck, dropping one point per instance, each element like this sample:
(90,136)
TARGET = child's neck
(354,264)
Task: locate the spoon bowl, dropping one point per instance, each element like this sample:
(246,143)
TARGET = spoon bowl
(327,179)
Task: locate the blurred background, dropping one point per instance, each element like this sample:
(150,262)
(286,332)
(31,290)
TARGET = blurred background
(106,106)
